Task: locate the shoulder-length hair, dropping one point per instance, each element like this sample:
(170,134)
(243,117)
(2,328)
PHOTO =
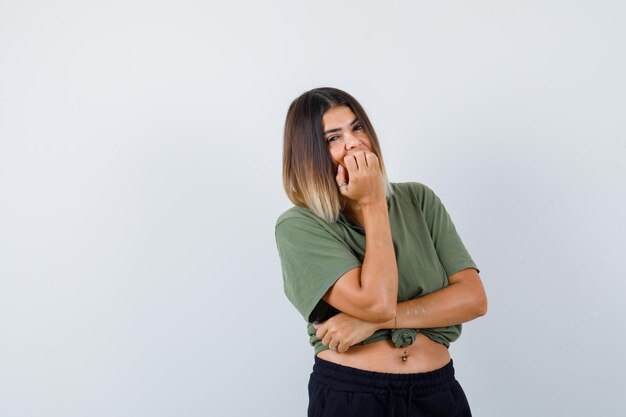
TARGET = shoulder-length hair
(308,171)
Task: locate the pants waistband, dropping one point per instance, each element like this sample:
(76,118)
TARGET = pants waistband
(346,378)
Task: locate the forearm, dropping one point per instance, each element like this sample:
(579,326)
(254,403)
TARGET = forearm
(457,303)
(379,271)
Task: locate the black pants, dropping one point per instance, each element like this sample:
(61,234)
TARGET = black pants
(341,391)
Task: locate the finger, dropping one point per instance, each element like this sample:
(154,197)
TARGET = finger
(327,339)
(343,347)
(372,160)
(341,178)
(360,160)
(350,163)
(321,332)
(341,174)
(334,345)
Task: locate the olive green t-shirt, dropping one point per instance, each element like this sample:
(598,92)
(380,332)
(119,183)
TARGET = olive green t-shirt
(315,254)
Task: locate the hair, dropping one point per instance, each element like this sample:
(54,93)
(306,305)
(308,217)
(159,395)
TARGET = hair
(308,171)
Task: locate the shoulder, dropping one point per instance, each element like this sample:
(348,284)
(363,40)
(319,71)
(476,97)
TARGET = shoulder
(300,221)
(411,190)
(403,187)
(297,214)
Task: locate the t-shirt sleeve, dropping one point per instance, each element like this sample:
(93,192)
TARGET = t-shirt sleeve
(450,249)
(312,258)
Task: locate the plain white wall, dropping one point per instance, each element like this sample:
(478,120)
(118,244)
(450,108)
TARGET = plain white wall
(140,161)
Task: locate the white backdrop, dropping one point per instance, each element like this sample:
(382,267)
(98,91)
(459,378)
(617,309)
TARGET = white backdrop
(140,162)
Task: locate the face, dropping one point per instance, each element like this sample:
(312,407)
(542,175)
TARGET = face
(344,133)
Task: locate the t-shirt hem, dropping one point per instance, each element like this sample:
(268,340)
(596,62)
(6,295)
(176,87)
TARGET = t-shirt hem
(386,334)
(436,338)
(461,266)
(383,334)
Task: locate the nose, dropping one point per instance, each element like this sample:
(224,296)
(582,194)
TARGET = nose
(351,141)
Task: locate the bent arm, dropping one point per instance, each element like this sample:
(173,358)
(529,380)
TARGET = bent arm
(461,301)
(370,292)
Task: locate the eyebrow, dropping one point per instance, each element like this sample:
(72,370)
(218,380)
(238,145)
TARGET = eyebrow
(337,129)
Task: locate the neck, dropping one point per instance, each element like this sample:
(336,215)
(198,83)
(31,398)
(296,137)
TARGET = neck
(354,211)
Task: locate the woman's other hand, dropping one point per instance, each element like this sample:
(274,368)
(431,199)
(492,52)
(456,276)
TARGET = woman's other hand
(363,182)
(343,331)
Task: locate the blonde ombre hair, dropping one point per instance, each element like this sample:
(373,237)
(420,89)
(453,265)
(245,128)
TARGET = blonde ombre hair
(308,171)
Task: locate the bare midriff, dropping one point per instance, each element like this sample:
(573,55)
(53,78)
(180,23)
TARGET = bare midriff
(423,355)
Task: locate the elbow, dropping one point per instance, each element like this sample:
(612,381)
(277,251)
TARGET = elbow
(383,311)
(481,305)
(476,300)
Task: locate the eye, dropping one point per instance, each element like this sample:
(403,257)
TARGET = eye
(358,127)
(332,139)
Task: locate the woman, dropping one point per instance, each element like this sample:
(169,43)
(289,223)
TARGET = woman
(377,269)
